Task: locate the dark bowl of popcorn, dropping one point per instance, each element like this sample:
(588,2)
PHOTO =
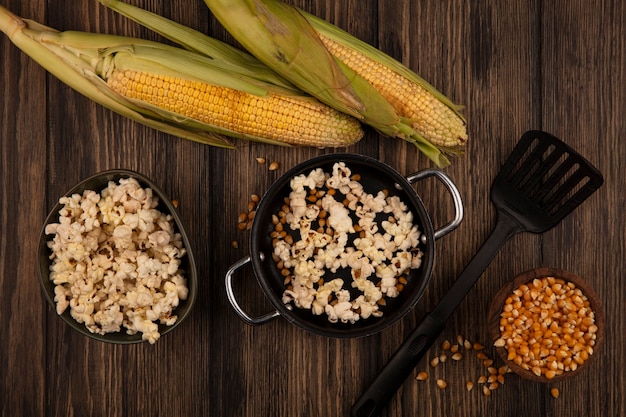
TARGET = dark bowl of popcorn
(114,259)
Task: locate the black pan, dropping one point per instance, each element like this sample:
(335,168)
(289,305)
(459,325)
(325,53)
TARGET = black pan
(375,176)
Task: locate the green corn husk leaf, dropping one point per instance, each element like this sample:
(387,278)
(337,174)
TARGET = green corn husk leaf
(26,35)
(283,39)
(99,52)
(193,40)
(288,45)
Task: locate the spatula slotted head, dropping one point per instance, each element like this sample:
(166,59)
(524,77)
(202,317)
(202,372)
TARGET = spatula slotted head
(542,181)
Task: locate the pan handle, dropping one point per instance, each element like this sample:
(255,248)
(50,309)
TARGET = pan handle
(454,192)
(233,301)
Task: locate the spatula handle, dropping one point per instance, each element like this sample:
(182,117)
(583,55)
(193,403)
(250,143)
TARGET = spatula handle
(505,227)
(399,367)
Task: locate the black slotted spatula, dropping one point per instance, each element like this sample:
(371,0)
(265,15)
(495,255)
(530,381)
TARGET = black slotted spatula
(541,182)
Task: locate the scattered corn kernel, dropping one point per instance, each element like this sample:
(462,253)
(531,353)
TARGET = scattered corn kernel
(261,160)
(273,166)
(554,391)
(490,382)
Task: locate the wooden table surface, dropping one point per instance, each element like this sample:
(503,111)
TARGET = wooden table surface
(555,65)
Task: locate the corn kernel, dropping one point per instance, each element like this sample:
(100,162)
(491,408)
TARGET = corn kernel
(554,392)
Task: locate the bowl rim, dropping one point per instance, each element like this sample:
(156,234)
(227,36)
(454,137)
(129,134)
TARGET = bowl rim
(528,276)
(184,308)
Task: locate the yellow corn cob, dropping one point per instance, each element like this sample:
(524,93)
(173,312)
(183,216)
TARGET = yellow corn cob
(431,118)
(291,120)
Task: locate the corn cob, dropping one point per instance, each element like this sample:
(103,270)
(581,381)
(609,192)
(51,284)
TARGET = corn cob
(95,64)
(281,118)
(429,116)
(308,53)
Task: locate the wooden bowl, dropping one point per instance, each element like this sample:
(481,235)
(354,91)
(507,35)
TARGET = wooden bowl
(497,306)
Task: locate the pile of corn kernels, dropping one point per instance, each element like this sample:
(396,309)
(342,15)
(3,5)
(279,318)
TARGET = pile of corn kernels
(547,327)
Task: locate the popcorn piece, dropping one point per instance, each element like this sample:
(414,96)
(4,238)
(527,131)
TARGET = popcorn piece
(339,216)
(341,311)
(366,308)
(340,178)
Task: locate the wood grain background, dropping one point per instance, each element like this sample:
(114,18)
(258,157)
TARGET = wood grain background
(552,65)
